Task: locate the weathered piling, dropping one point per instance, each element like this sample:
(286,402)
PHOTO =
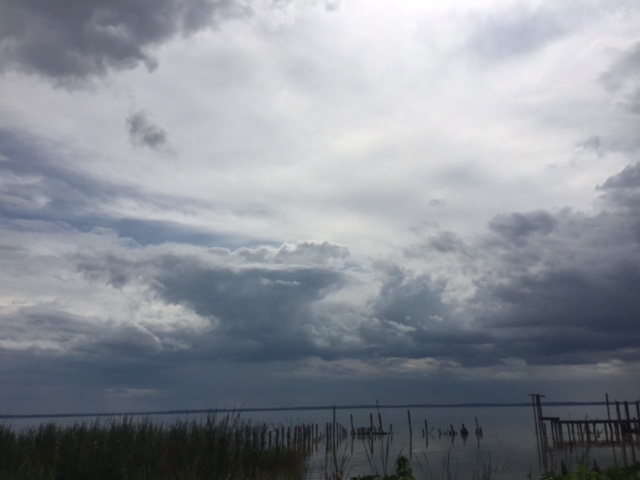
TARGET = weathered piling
(410,435)
(426,432)
(333,430)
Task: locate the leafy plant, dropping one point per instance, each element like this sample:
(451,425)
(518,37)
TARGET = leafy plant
(403,472)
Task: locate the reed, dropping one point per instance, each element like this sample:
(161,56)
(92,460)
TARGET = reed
(214,448)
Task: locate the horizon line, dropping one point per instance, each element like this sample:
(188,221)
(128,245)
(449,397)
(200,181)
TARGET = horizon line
(290,408)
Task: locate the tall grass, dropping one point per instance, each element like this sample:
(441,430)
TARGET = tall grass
(215,448)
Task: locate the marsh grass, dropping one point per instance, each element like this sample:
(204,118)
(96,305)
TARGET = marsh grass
(214,448)
(486,468)
(378,458)
(337,460)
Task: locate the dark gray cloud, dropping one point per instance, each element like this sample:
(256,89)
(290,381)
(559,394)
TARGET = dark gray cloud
(39,185)
(623,191)
(570,296)
(629,178)
(71,40)
(624,76)
(144,131)
(626,67)
(516,227)
(442,242)
(410,319)
(562,289)
(255,313)
(410,301)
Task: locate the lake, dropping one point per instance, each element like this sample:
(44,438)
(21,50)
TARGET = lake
(507,447)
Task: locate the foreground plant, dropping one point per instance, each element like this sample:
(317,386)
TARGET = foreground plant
(403,472)
(583,472)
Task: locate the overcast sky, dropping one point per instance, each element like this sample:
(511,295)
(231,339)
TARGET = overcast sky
(278,202)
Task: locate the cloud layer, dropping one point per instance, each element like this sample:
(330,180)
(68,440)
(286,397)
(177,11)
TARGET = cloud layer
(410,199)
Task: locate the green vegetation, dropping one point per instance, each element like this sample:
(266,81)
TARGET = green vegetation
(123,449)
(403,472)
(219,448)
(583,472)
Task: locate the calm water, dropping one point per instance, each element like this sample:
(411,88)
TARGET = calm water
(508,446)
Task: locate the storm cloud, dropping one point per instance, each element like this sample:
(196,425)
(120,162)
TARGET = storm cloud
(73,40)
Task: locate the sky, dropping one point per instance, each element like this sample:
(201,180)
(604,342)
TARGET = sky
(262,203)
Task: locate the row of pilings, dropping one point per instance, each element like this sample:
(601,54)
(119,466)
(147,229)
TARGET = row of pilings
(620,428)
(623,427)
(312,437)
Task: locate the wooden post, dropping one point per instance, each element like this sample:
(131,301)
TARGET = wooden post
(327,436)
(542,454)
(637,420)
(334,426)
(628,424)
(535,414)
(410,435)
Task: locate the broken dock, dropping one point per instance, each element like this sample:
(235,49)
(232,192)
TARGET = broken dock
(554,431)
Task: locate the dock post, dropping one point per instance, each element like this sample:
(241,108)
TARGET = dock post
(637,420)
(333,430)
(619,423)
(628,423)
(410,435)
(542,452)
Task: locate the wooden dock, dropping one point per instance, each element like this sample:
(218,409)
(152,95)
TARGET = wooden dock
(553,431)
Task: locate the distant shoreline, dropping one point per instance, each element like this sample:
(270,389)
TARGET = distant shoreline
(290,409)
